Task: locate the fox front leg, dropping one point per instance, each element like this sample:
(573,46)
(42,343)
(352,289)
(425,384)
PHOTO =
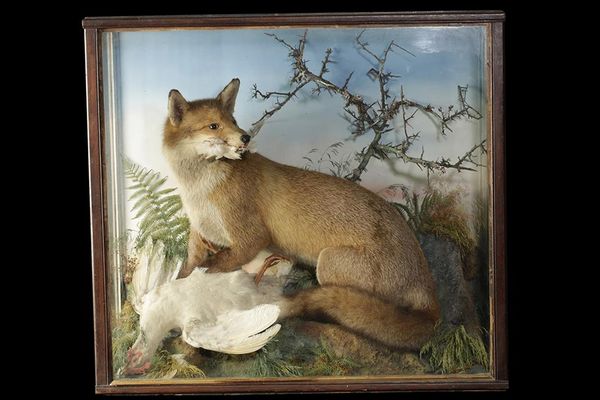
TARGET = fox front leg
(234,257)
(199,250)
(228,260)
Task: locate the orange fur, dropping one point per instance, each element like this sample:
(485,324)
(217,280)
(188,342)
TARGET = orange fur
(374,276)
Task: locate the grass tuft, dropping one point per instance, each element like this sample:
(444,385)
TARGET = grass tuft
(269,362)
(166,365)
(439,214)
(124,334)
(328,363)
(452,349)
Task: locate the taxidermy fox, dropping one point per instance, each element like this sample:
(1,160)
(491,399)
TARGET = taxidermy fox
(373,276)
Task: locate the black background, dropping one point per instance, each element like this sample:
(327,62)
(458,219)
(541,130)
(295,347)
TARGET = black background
(64,271)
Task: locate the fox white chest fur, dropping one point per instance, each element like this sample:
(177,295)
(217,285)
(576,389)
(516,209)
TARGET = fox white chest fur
(197,180)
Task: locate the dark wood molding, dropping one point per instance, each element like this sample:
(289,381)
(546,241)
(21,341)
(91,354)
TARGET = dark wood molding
(499,205)
(247,20)
(97,201)
(498,380)
(385,384)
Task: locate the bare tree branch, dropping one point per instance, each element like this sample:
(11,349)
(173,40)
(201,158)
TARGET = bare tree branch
(366,155)
(281,101)
(468,156)
(440,164)
(325,61)
(347,80)
(363,117)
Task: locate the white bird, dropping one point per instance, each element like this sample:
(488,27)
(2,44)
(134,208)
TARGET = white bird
(225,312)
(153,270)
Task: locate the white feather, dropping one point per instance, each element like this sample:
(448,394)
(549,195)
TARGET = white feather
(235,332)
(223,312)
(152,271)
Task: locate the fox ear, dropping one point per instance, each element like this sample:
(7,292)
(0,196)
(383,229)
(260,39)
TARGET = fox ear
(228,95)
(178,105)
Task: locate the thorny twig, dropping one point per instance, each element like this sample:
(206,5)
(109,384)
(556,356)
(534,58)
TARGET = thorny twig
(282,99)
(365,117)
(442,163)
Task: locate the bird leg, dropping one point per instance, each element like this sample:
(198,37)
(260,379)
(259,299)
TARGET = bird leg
(273,259)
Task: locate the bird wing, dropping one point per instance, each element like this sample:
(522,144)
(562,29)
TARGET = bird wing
(235,332)
(152,271)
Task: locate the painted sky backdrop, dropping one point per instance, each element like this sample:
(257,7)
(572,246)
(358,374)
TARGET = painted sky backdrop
(201,62)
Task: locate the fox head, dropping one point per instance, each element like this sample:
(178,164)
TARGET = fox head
(206,128)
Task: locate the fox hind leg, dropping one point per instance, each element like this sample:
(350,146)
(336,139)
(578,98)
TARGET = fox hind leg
(354,294)
(356,267)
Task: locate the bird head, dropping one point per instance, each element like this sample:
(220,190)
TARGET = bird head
(137,363)
(156,320)
(138,357)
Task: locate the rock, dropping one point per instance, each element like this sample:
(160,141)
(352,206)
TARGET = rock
(454,292)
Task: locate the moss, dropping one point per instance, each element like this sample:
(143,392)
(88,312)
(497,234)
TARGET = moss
(452,349)
(281,357)
(166,365)
(124,333)
(410,363)
(328,363)
(269,362)
(291,354)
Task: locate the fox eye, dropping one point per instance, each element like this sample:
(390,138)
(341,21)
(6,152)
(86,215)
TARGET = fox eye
(214,126)
(234,121)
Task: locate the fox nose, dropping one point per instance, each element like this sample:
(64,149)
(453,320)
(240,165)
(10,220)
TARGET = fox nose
(246,138)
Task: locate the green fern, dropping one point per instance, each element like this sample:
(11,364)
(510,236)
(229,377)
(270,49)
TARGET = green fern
(159,212)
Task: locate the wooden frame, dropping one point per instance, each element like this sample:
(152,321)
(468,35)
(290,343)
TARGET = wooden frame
(497,379)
